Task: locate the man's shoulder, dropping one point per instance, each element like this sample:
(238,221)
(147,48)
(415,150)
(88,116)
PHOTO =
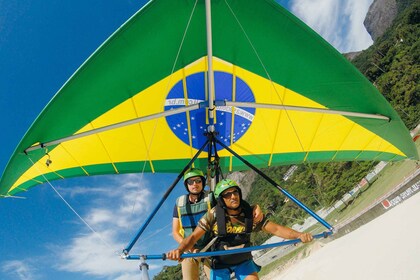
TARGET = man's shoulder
(210,215)
(181,200)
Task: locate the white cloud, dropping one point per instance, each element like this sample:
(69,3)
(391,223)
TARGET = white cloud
(86,254)
(19,270)
(338,22)
(114,203)
(114,209)
(357,37)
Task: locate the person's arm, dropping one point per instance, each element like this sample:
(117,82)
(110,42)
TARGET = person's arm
(176,226)
(186,244)
(285,232)
(176,233)
(175,230)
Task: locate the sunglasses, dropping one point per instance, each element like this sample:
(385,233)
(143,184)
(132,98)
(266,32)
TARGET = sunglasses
(229,194)
(192,181)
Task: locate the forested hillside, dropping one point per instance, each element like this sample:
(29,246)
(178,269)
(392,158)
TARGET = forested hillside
(392,65)
(316,185)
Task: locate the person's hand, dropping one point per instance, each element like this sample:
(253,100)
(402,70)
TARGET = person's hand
(305,237)
(257,214)
(193,251)
(174,255)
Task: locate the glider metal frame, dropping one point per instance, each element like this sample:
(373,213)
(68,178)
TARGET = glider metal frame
(213,141)
(305,109)
(116,125)
(204,104)
(227,252)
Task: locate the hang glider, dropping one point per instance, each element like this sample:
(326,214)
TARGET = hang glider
(279,95)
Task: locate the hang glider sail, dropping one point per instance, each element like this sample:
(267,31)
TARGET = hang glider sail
(140,103)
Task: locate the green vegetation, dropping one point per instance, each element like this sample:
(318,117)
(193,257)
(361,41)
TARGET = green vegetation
(316,185)
(170,273)
(392,63)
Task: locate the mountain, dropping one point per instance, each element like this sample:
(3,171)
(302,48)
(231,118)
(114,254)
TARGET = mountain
(380,17)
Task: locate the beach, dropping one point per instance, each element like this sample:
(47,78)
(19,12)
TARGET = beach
(387,248)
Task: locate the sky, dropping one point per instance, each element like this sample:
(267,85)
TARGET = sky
(75,229)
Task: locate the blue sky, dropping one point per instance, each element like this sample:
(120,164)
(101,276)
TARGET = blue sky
(41,44)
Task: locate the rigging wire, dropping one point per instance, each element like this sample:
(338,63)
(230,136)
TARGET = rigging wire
(156,122)
(72,209)
(318,185)
(286,111)
(153,234)
(271,81)
(266,72)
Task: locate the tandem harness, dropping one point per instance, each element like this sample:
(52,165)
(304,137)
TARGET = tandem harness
(231,240)
(189,215)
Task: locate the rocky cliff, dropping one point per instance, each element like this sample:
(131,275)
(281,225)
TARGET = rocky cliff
(244,179)
(380,16)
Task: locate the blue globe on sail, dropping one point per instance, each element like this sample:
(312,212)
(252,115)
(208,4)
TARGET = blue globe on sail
(191,127)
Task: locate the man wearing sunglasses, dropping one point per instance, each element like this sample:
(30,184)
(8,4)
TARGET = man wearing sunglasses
(188,210)
(232,222)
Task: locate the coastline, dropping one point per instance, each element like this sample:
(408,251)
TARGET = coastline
(385,248)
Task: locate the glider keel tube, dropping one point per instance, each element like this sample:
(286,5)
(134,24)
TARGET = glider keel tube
(210,64)
(228,252)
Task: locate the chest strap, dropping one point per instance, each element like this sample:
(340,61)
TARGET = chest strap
(221,218)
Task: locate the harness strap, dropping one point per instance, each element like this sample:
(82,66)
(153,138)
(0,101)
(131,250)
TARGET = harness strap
(248,216)
(221,218)
(182,202)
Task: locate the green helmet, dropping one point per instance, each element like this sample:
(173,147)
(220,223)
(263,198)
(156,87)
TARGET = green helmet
(193,172)
(224,185)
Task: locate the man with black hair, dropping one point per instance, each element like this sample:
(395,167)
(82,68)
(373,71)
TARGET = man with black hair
(188,210)
(231,221)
